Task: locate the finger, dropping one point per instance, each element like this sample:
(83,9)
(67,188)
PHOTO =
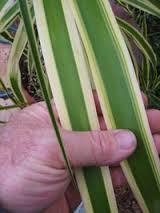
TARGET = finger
(98,147)
(97,103)
(156,139)
(154,120)
(118,178)
(29,98)
(145,99)
(102,123)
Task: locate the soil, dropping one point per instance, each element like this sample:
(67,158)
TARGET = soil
(126,201)
(30,81)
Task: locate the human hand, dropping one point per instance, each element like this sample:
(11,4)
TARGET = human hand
(32,169)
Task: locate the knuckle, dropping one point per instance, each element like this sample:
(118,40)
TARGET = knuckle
(104,146)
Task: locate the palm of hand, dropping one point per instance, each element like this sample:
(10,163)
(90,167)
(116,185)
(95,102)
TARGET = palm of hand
(33,174)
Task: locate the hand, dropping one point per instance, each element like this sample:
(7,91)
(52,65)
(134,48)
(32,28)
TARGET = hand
(32,169)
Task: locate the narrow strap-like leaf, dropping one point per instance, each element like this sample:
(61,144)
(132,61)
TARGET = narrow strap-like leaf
(17,49)
(149,6)
(140,40)
(8,14)
(156,3)
(15,101)
(11,107)
(3,3)
(133,57)
(7,37)
(146,66)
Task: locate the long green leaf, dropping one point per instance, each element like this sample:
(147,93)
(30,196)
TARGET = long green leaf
(120,96)
(28,22)
(30,62)
(15,101)
(156,3)
(11,107)
(146,66)
(149,6)
(17,49)
(5,4)
(8,14)
(67,71)
(134,60)
(7,37)
(140,40)
(2,4)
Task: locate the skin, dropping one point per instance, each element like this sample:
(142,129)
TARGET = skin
(33,175)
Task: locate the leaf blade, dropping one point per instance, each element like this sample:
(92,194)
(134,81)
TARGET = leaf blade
(145,5)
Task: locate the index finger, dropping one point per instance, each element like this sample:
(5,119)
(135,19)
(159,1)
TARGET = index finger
(97,103)
(145,99)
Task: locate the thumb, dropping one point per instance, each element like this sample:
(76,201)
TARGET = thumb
(98,147)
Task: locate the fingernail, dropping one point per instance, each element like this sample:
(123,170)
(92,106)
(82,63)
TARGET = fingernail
(126,139)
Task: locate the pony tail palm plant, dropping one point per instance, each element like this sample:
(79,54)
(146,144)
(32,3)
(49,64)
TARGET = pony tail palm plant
(79,38)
